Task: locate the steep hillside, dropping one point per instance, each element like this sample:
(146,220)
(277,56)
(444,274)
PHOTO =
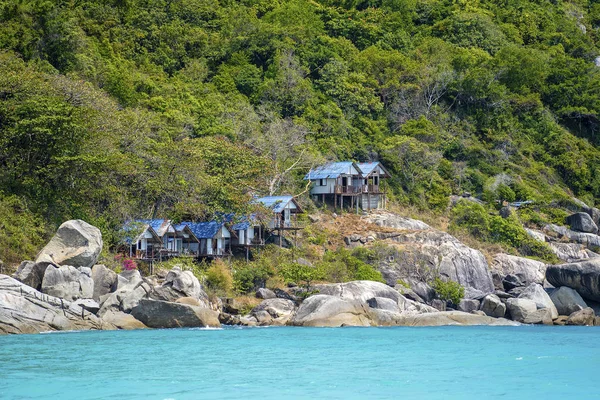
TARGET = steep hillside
(133,108)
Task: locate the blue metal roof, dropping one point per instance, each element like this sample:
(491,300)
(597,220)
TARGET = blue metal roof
(330,170)
(130,226)
(275,203)
(241,226)
(160,226)
(367,168)
(203,230)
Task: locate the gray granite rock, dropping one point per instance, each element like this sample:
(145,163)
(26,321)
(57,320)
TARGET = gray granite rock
(31,274)
(468,306)
(492,306)
(75,243)
(585,317)
(105,281)
(528,271)
(567,300)
(582,222)
(264,293)
(164,314)
(583,276)
(537,293)
(67,282)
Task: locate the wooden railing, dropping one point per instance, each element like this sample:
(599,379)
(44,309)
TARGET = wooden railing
(339,189)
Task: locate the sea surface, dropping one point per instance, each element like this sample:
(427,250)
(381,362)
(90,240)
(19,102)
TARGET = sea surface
(527,362)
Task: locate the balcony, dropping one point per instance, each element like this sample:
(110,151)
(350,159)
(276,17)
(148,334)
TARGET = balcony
(339,189)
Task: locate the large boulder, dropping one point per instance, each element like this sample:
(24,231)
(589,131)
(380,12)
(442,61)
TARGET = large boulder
(387,219)
(123,321)
(279,310)
(359,290)
(422,289)
(164,314)
(450,318)
(432,250)
(75,243)
(125,298)
(383,303)
(536,293)
(536,235)
(585,317)
(26,310)
(567,300)
(589,240)
(331,311)
(105,281)
(582,222)
(569,252)
(31,274)
(422,248)
(527,312)
(178,284)
(528,271)
(492,306)
(264,293)
(67,282)
(582,276)
(468,305)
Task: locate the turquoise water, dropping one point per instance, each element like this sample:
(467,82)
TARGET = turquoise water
(274,363)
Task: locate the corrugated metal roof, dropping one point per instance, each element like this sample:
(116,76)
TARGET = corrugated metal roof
(243,222)
(330,170)
(203,230)
(275,203)
(367,168)
(139,227)
(241,226)
(160,226)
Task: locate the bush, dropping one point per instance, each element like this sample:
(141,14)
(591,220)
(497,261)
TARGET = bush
(495,229)
(219,278)
(301,274)
(249,277)
(343,266)
(449,290)
(21,232)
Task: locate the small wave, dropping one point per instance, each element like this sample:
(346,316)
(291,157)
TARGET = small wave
(59,332)
(206,328)
(519,358)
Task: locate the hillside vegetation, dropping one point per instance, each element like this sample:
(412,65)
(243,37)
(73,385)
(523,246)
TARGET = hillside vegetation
(180,108)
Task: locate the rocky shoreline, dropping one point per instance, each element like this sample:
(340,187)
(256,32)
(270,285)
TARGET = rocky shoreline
(64,289)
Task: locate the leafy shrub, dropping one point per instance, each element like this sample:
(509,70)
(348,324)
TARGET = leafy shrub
(219,278)
(21,232)
(449,290)
(300,273)
(342,266)
(495,229)
(249,277)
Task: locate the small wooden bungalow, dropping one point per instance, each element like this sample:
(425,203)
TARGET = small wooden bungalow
(282,216)
(186,242)
(248,232)
(284,212)
(141,241)
(214,239)
(168,235)
(347,184)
